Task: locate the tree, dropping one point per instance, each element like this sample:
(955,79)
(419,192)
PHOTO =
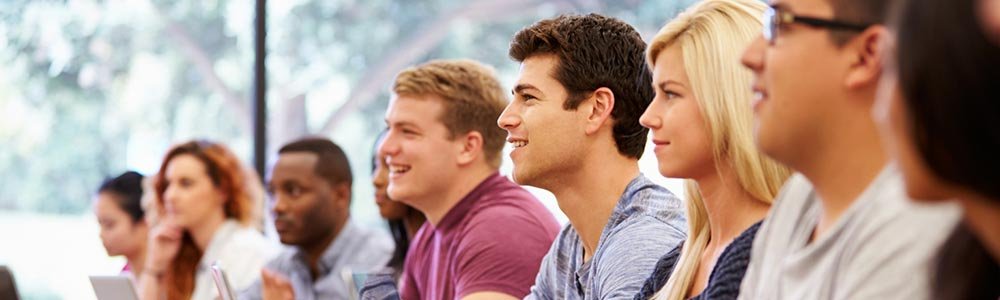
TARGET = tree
(88,87)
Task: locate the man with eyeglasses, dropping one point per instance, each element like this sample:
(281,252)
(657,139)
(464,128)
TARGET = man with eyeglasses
(842,228)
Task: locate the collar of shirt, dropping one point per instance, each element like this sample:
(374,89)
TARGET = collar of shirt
(333,253)
(459,211)
(219,239)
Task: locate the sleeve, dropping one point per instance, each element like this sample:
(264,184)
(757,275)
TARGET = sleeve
(631,256)
(407,286)
(895,259)
(542,290)
(244,262)
(501,251)
(252,292)
(748,288)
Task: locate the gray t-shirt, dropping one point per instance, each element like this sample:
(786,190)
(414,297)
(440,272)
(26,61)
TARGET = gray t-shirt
(646,223)
(356,249)
(882,247)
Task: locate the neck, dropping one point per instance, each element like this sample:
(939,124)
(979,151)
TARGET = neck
(412,222)
(588,194)
(983,218)
(730,208)
(440,204)
(842,168)
(137,260)
(314,251)
(202,233)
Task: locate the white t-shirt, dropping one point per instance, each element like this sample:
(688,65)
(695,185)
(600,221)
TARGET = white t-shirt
(241,251)
(882,247)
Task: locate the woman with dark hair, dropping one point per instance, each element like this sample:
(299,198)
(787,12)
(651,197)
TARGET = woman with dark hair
(118,206)
(404,220)
(938,107)
(208,206)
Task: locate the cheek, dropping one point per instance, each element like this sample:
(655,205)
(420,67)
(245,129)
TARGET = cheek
(114,236)
(690,149)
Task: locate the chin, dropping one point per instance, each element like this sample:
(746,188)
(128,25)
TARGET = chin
(287,240)
(398,196)
(523,179)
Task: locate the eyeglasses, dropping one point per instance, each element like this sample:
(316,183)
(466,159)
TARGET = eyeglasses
(775,17)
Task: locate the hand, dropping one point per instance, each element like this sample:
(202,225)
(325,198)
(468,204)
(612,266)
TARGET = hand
(275,286)
(164,243)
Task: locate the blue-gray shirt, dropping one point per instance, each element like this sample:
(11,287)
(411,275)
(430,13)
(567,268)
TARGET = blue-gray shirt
(647,222)
(355,249)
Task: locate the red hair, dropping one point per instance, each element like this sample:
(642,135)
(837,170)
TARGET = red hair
(228,175)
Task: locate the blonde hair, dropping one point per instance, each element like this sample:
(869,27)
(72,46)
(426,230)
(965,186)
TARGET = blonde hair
(711,35)
(473,99)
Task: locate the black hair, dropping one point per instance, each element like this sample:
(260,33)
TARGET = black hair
(396,227)
(127,188)
(857,12)
(332,163)
(949,77)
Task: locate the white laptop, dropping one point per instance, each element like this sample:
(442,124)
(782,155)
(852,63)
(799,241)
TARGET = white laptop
(113,288)
(222,283)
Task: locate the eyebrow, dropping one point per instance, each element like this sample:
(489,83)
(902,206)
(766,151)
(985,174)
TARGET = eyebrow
(400,123)
(663,85)
(779,4)
(524,86)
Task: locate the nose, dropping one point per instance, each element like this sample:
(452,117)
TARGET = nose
(170,195)
(651,117)
(279,206)
(379,178)
(753,56)
(509,119)
(389,145)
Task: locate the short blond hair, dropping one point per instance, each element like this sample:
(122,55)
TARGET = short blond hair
(473,98)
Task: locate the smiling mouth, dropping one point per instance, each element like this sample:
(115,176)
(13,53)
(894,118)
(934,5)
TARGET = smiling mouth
(399,169)
(518,143)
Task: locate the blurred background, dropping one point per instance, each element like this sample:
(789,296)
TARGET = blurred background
(90,88)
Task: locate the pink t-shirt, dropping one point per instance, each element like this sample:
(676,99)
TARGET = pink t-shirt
(493,240)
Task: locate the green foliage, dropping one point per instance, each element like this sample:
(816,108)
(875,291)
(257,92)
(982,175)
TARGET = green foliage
(90,87)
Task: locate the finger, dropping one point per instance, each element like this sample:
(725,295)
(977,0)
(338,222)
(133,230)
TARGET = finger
(266,278)
(282,282)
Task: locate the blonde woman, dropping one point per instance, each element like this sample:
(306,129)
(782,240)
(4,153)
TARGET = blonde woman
(701,123)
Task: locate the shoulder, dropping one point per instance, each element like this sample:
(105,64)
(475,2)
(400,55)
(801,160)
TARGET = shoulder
(794,194)
(513,209)
(283,262)
(247,238)
(372,238)
(733,261)
(645,202)
(888,214)
(894,221)
(661,273)
(787,211)
(640,231)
